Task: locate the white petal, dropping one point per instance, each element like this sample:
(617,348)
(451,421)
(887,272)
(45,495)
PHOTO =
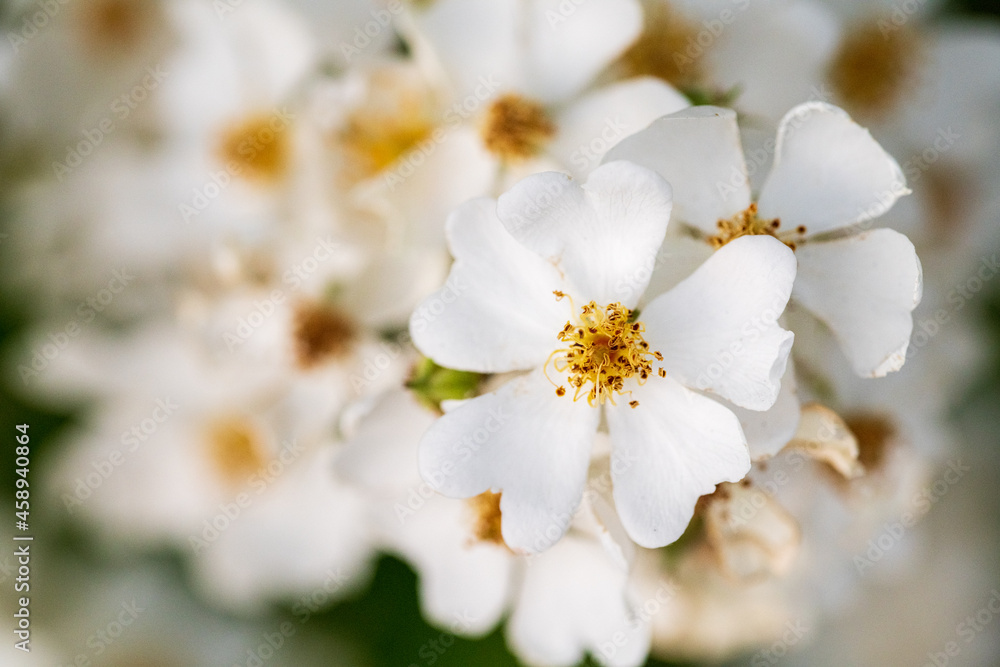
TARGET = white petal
(698,151)
(676,446)
(864,287)
(677,259)
(497,312)
(776,79)
(460,579)
(599,120)
(828,172)
(574,601)
(718,330)
(470,39)
(599,233)
(382,454)
(569,44)
(522,440)
(768,431)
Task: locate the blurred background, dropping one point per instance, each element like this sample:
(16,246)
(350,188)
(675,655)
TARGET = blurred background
(103,599)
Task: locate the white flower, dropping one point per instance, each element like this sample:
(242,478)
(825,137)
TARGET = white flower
(544,281)
(528,75)
(573,599)
(830,179)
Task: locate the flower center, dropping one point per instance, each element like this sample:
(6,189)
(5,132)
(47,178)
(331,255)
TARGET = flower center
(604,349)
(876,434)
(321,332)
(118,25)
(395,117)
(259,148)
(235,449)
(660,49)
(486,512)
(516,128)
(748,223)
(872,69)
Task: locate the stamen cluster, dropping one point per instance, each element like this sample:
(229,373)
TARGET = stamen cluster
(748,223)
(605,349)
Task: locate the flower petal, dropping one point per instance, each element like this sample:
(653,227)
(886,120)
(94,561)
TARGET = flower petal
(597,233)
(569,45)
(768,431)
(676,445)
(718,329)
(828,172)
(698,151)
(522,440)
(599,120)
(574,600)
(864,287)
(459,578)
(496,312)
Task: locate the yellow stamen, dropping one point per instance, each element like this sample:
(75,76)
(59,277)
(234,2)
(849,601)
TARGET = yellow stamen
(873,69)
(748,223)
(516,128)
(604,350)
(235,449)
(259,148)
(321,332)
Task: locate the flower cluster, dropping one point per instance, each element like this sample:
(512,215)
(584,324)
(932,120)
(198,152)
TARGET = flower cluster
(600,315)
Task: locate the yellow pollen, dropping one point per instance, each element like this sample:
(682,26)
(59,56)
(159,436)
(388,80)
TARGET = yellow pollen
(260,147)
(487,518)
(321,333)
(235,449)
(873,69)
(515,128)
(393,121)
(604,349)
(117,25)
(748,223)
(660,50)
